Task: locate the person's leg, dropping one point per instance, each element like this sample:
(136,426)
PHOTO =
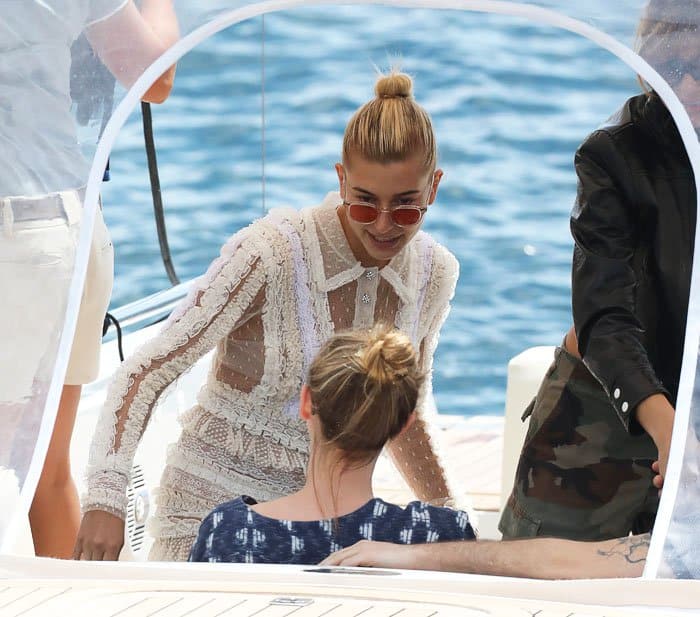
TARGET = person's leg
(516,521)
(580,476)
(54,516)
(55,513)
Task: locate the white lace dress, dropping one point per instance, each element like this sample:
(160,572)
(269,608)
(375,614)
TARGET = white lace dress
(279,289)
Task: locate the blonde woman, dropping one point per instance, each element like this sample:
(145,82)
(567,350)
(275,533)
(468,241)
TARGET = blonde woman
(279,290)
(361,392)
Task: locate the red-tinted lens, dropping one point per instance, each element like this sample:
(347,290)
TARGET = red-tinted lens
(362,213)
(405,216)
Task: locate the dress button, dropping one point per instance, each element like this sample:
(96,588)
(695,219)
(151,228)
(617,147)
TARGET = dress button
(625,406)
(369,274)
(365,298)
(617,393)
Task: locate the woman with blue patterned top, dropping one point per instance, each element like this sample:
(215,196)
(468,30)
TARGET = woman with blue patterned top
(361,391)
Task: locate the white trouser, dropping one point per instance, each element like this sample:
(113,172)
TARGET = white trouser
(38,238)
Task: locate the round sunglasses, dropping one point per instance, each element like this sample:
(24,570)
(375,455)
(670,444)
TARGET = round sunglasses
(366,213)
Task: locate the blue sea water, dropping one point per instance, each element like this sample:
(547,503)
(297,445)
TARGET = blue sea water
(510,101)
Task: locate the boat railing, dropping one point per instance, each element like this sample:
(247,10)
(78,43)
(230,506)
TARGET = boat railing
(148,310)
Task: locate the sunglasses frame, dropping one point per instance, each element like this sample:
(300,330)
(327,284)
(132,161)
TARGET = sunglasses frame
(421,211)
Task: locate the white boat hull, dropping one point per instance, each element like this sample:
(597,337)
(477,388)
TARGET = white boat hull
(49,587)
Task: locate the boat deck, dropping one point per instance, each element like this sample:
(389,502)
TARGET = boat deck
(129,598)
(46,588)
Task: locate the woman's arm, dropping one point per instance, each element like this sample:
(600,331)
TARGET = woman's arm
(414,455)
(230,287)
(415,452)
(129,41)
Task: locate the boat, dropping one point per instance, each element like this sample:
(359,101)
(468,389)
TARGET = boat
(35,586)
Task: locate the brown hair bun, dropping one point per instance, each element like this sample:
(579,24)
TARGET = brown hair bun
(387,356)
(394,85)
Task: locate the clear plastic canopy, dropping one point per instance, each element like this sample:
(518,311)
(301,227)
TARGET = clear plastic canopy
(60,115)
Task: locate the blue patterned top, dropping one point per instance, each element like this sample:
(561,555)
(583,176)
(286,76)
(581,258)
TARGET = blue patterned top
(234,532)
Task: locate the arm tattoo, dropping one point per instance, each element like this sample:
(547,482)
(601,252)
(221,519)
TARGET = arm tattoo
(633,549)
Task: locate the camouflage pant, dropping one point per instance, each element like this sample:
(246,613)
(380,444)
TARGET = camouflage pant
(581,475)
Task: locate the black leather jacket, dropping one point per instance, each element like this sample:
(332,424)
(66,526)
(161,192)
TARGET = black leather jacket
(634,227)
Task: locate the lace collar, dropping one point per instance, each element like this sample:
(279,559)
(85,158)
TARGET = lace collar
(340,264)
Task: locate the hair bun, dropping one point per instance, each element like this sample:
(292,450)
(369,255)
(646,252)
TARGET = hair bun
(394,85)
(388,355)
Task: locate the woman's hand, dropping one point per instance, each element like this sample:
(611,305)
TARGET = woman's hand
(100,537)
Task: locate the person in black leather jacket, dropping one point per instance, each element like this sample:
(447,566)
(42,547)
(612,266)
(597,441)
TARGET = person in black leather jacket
(604,412)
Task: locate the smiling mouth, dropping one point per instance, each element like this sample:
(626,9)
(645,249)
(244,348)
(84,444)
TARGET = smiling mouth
(384,241)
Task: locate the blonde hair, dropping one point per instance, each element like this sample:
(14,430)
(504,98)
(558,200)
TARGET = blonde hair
(364,386)
(391,127)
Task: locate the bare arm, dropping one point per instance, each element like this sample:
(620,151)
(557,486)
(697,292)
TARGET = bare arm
(129,41)
(548,558)
(656,415)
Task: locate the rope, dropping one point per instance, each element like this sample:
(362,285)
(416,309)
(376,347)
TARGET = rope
(109,320)
(156,193)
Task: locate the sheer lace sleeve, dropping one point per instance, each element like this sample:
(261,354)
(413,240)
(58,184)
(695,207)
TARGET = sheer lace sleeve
(217,303)
(416,452)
